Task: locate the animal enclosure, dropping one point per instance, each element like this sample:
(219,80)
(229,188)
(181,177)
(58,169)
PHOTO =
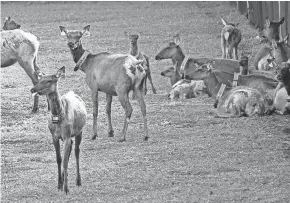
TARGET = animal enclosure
(190,156)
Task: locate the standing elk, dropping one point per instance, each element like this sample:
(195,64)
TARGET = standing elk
(230,38)
(134,51)
(68,117)
(22,47)
(113,74)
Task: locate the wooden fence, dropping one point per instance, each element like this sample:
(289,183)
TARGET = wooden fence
(257,11)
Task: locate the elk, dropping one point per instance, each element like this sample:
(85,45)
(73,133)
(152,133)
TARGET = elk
(134,51)
(230,38)
(279,51)
(10,24)
(172,51)
(68,117)
(113,74)
(22,47)
(172,74)
(271,30)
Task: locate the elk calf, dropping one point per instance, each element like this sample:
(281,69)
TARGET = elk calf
(68,117)
(134,51)
(230,39)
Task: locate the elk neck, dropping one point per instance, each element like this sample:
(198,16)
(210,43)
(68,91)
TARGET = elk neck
(78,52)
(134,49)
(179,57)
(55,103)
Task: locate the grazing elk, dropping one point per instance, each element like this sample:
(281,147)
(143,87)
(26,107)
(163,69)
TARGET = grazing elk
(134,51)
(22,47)
(230,38)
(68,117)
(271,30)
(113,74)
(241,101)
(10,24)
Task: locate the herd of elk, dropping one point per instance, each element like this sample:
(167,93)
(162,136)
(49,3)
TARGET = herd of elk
(237,90)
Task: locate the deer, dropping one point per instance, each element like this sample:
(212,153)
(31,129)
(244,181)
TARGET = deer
(67,119)
(113,74)
(230,38)
(134,51)
(10,24)
(22,47)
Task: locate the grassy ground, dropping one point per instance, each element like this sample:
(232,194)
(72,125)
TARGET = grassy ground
(190,156)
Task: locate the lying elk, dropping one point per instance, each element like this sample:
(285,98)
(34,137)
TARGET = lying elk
(10,24)
(22,47)
(230,38)
(173,52)
(172,74)
(280,52)
(113,74)
(68,117)
(134,51)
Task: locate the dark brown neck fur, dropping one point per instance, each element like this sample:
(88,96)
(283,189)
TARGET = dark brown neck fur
(78,52)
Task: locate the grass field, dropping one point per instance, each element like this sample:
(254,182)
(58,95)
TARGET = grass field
(190,156)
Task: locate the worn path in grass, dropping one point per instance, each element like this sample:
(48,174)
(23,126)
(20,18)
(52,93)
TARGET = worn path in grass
(190,156)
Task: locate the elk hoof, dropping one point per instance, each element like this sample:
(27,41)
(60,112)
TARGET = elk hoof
(146,138)
(78,182)
(154,91)
(121,140)
(111,133)
(34,110)
(94,136)
(65,188)
(60,186)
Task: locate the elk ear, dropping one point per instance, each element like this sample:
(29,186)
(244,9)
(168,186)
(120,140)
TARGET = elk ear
(267,21)
(224,22)
(281,21)
(9,18)
(61,72)
(63,30)
(86,31)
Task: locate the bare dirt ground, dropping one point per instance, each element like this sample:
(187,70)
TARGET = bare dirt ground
(190,156)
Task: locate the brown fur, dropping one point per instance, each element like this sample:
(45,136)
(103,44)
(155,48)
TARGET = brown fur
(111,74)
(134,51)
(71,112)
(230,39)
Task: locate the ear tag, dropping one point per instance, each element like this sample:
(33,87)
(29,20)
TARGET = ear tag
(288,99)
(221,91)
(55,119)
(271,65)
(236,77)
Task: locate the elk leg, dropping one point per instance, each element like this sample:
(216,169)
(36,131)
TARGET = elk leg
(124,100)
(95,114)
(141,102)
(28,67)
(67,150)
(223,46)
(58,160)
(236,52)
(108,109)
(78,140)
(151,82)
